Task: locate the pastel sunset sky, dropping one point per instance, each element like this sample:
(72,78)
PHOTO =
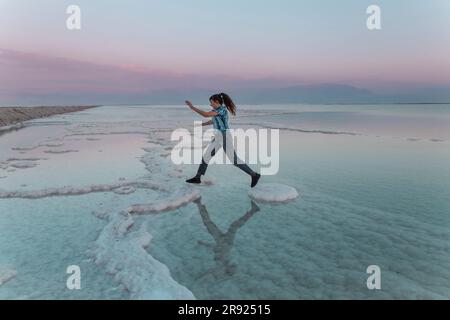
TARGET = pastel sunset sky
(138,46)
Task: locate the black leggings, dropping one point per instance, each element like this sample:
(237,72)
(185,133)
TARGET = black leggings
(214,147)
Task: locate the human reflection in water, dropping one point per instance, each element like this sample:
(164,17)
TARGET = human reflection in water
(223,241)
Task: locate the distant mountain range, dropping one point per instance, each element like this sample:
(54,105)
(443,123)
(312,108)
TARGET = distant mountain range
(311,94)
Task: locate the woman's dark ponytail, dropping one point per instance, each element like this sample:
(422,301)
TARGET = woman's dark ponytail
(225,99)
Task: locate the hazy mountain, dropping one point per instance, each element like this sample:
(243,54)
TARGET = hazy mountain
(326,93)
(312,94)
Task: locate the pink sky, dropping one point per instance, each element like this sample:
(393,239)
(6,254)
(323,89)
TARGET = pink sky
(157,45)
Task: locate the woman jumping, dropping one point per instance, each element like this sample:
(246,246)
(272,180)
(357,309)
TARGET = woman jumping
(220,103)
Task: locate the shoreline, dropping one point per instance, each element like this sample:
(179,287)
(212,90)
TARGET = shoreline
(13,117)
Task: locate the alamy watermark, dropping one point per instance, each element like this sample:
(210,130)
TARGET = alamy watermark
(73,22)
(73,282)
(374,19)
(252,146)
(374,280)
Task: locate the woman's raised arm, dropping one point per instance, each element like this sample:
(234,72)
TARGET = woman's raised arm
(201,112)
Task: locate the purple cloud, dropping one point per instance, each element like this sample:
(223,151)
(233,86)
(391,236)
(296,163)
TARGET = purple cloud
(35,74)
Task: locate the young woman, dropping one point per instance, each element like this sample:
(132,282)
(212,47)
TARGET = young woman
(222,104)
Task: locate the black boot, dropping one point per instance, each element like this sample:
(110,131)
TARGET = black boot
(255,179)
(195,179)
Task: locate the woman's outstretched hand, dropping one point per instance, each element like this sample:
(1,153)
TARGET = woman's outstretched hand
(189,103)
(200,112)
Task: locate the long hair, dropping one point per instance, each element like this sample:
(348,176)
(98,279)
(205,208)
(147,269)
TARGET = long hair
(225,99)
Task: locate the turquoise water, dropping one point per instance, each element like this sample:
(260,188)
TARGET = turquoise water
(373,184)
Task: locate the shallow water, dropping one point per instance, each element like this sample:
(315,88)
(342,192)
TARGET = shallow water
(376,194)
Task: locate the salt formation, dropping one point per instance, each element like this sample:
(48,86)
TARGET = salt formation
(52,144)
(207,181)
(123,253)
(24,148)
(11,164)
(6,275)
(23,164)
(175,200)
(125,190)
(59,151)
(120,248)
(74,191)
(273,192)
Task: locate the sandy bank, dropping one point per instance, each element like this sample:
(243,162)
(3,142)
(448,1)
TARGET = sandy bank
(15,115)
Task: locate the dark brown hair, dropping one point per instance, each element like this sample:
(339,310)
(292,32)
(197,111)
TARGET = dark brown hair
(225,99)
